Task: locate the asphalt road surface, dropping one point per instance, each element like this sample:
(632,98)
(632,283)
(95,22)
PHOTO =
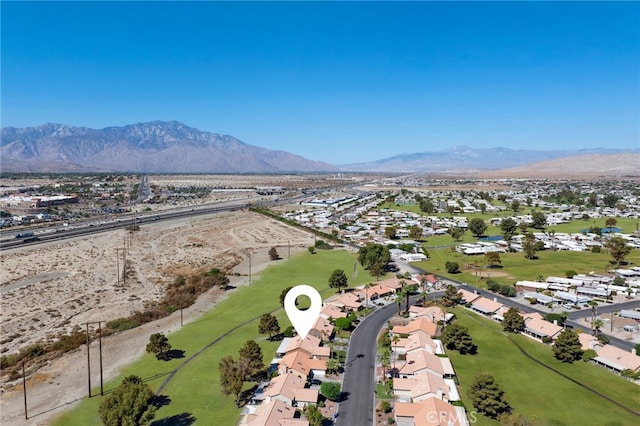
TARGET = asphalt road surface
(358,383)
(359,374)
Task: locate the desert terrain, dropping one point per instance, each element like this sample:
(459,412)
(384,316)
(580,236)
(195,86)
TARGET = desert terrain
(49,289)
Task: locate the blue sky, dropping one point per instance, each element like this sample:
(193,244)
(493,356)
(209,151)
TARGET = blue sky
(341,82)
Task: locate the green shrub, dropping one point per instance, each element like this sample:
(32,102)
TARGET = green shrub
(570,273)
(122,324)
(7,361)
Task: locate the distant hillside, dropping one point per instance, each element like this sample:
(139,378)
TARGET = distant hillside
(590,165)
(465,158)
(161,147)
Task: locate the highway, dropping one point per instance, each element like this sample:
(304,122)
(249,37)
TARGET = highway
(85,228)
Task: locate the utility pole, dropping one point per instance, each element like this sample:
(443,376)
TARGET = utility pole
(24,391)
(100,346)
(88,362)
(118,261)
(89,356)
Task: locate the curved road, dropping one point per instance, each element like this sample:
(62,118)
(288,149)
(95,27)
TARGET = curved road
(359,374)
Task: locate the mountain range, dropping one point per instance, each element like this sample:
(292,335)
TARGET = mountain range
(173,147)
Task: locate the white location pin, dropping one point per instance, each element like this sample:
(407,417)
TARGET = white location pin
(302,321)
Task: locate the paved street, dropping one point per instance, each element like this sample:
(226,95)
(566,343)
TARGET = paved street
(359,376)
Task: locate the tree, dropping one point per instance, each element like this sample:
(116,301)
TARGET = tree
(311,249)
(390,232)
(618,249)
(273,254)
(508,227)
(610,200)
(456,233)
(610,222)
(513,321)
(313,415)
(343,323)
(486,396)
(331,390)
(376,270)
(515,206)
(456,337)
(333,365)
(530,246)
(338,279)
(405,292)
(415,232)
(426,205)
(477,226)
(373,253)
(268,325)
(158,345)
(451,296)
(251,357)
(567,347)
(129,404)
(597,324)
(538,219)
(283,294)
(592,200)
(452,267)
(492,258)
(231,377)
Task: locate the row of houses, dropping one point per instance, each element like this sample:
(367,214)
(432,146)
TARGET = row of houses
(297,361)
(544,331)
(423,377)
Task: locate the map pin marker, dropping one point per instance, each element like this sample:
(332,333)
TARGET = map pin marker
(302,321)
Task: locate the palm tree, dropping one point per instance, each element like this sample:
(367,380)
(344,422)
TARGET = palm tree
(395,339)
(597,325)
(366,293)
(398,300)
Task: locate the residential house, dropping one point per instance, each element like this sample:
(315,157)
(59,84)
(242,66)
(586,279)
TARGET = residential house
(420,387)
(485,306)
(617,359)
(347,302)
(418,325)
(429,412)
(423,361)
(332,311)
(467,296)
(276,413)
(301,363)
(291,389)
(433,313)
(415,342)
(310,344)
(538,328)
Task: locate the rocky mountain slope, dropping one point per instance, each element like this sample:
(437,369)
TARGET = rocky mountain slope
(161,147)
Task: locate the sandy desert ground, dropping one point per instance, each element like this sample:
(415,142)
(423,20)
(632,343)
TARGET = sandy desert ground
(52,288)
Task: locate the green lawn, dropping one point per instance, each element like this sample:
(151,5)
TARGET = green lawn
(195,389)
(516,267)
(536,392)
